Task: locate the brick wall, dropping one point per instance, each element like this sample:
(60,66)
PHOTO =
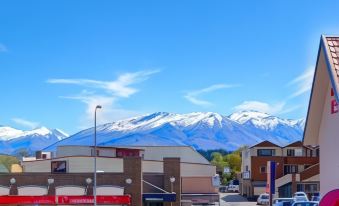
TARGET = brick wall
(172,169)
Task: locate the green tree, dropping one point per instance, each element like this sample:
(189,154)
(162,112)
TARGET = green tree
(7,161)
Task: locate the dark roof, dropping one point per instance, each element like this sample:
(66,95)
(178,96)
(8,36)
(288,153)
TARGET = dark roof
(295,144)
(265,144)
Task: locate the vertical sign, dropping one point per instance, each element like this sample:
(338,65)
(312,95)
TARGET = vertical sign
(270,186)
(334,104)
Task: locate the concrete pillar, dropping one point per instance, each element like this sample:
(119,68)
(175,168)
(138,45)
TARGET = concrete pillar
(172,169)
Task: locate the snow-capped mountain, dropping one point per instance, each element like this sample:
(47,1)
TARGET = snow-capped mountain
(201,130)
(13,140)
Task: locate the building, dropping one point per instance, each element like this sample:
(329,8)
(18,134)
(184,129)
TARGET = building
(152,175)
(322,118)
(296,169)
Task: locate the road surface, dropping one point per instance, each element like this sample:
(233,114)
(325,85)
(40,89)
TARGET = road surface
(234,199)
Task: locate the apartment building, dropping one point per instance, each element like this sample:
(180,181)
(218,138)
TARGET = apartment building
(150,175)
(296,165)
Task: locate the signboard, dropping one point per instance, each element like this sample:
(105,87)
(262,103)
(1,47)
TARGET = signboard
(216,181)
(65,200)
(246,175)
(330,199)
(334,104)
(270,185)
(227,170)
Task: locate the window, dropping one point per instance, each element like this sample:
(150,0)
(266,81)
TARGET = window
(290,152)
(290,169)
(263,169)
(246,168)
(311,188)
(58,166)
(266,152)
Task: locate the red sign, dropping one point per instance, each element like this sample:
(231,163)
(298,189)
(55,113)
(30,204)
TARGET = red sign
(330,199)
(63,200)
(334,104)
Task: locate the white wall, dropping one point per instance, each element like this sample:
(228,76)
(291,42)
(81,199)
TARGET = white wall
(186,154)
(86,164)
(152,166)
(329,148)
(77,165)
(197,170)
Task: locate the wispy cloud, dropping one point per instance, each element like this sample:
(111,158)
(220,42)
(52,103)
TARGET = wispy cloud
(302,83)
(106,94)
(121,87)
(3,48)
(261,107)
(194,96)
(25,123)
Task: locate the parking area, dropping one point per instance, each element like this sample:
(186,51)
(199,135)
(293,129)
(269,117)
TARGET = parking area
(234,199)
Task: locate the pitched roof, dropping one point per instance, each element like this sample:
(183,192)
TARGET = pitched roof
(326,72)
(265,144)
(295,144)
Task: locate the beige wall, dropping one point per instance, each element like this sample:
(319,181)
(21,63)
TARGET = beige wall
(86,164)
(197,185)
(329,148)
(152,166)
(197,170)
(77,165)
(66,151)
(37,166)
(186,154)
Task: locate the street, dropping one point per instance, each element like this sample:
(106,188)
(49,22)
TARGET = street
(234,199)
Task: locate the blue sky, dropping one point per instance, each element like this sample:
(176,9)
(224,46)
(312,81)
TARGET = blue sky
(58,59)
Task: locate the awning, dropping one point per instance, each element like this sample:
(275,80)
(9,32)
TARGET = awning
(159,197)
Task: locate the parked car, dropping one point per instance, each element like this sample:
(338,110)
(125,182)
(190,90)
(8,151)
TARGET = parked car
(315,198)
(283,201)
(263,199)
(300,197)
(223,188)
(306,203)
(233,188)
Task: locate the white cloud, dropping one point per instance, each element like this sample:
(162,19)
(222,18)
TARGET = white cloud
(25,123)
(261,107)
(303,82)
(121,87)
(3,48)
(194,98)
(106,94)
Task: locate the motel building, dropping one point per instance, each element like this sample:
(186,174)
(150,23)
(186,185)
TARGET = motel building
(137,176)
(297,169)
(322,123)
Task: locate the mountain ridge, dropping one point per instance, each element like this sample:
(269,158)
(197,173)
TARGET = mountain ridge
(201,130)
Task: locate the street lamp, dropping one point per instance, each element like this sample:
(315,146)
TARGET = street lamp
(172,180)
(95,154)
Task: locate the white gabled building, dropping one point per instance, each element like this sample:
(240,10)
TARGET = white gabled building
(322,123)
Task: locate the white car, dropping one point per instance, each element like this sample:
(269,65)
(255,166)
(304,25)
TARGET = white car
(263,199)
(305,203)
(233,188)
(282,201)
(300,197)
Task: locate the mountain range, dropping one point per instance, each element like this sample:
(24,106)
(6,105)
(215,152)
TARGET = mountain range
(12,141)
(202,130)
